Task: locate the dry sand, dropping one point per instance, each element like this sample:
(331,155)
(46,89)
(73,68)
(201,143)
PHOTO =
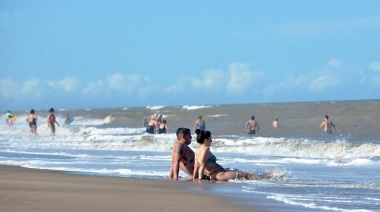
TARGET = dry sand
(25,190)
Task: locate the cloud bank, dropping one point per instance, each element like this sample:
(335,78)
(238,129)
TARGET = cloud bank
(236,83)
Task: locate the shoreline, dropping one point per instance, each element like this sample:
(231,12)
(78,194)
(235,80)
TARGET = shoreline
(26,189)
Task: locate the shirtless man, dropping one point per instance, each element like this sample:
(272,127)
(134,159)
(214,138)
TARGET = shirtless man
(327,124)
(275,123)
(182,155)
(252,126)
(152,125)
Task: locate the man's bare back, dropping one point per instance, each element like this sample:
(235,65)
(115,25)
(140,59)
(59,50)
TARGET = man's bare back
(252,126)
(328,125)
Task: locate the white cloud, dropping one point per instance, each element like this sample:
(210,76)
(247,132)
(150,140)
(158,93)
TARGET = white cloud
(180,85)
(30,87)
(335,63)
(93,88)
(67,84)
(235,81)
(212,80)
(131,85)
(296,81)
(8,88)
(328,77)
(241,78)
(375,65)
(323,82)
(372,77)
(116,81)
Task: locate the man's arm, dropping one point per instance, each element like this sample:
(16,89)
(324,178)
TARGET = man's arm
(176,159)
(333,125)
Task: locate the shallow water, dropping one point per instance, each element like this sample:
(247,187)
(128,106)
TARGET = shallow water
(337,172)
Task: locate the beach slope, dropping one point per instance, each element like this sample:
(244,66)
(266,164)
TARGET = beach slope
(23,189)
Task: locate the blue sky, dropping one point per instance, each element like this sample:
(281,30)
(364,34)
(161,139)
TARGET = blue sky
(92,53)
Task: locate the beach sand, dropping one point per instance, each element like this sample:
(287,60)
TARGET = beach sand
(23,189)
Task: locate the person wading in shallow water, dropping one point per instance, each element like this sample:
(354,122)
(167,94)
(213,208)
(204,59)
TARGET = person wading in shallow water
(152,125)
(252,126)
(200,124)
(328,125)
(32,119)
(52,121)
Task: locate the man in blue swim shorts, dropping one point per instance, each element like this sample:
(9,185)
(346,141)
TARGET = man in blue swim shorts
(152,125)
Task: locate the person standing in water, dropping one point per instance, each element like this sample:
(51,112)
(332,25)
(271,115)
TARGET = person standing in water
(252,126)
(328,125)
(163,128)
(152,125)
(200,124)
(32,119)
(67,120)
(144,123)
(10,121)
(52,120)
(6,116)
(275,123)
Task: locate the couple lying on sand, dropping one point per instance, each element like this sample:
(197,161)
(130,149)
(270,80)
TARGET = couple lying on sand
(202,164)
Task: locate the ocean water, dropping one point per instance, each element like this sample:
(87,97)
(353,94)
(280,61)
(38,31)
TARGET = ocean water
(312,171)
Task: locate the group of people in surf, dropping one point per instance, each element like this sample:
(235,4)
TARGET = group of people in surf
(252,126)
(156,125)
(156,122)
(202,165)
(32,120)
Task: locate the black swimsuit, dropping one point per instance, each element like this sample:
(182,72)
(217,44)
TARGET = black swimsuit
(32,123)
(162,130)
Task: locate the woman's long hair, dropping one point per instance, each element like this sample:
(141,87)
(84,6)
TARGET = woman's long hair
(202,135)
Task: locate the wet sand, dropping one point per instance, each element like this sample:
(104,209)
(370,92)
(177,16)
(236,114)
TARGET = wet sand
(23,189)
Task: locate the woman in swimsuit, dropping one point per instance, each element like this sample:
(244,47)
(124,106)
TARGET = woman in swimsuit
(163,128)
(205,162)
(32,119)
(200,124)
(52,121)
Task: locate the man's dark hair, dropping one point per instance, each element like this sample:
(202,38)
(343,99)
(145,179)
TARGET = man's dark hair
(182,131)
